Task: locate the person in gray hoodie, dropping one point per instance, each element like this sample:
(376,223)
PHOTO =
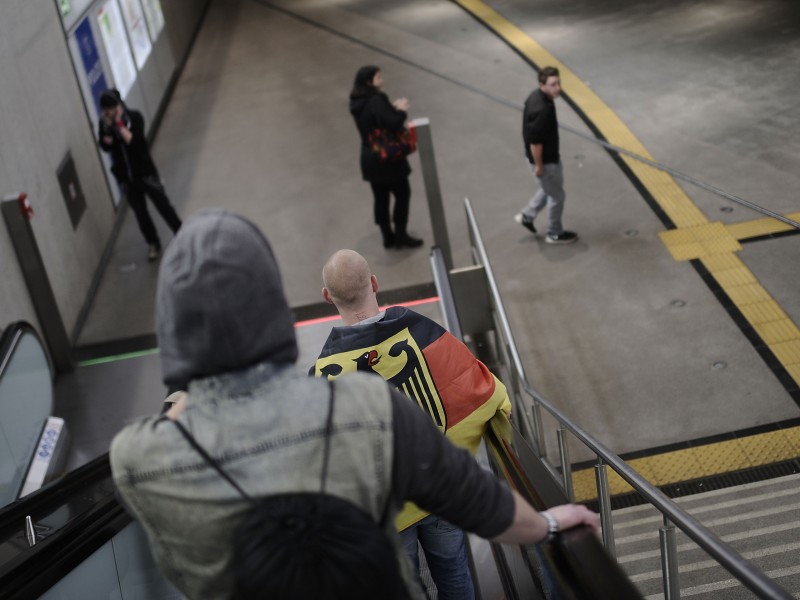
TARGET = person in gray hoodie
(226,336)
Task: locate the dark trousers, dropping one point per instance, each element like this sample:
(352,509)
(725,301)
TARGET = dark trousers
(135,191)
(402,196)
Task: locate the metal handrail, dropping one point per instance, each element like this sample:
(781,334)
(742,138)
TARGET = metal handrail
(738,566)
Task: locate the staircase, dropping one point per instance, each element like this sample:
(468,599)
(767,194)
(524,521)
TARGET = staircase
(759,520)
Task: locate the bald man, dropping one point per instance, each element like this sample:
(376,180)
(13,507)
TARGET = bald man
(434,369)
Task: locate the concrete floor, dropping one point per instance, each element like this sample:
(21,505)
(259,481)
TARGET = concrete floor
(258,123)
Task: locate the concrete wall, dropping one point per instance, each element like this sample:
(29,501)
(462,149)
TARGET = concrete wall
(42,117)
(182,18)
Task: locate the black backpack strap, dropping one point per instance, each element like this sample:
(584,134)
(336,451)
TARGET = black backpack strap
(328,431)
(207,457)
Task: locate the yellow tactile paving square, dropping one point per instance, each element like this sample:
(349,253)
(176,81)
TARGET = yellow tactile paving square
(677,237)
(763,312)
(721,245)
(699,241)
(670,467)
(687,251)
(794,372)
(776,332)
(723,457)
(748,294)
(722,262)
(787,352)
(770,447)
(583,485)
(734,277)
(793,435)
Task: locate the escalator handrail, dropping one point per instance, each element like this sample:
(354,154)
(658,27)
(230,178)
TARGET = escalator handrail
(578,558)
(10,338)
(99,516)
(583,560)
(724,554)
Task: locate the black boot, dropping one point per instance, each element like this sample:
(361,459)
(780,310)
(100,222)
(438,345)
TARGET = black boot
(402,240)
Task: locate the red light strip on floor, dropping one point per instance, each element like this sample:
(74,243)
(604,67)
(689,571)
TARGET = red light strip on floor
(336,317)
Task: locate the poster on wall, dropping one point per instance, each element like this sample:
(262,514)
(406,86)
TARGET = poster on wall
(118,51)
(90,58)
(155,17)
(137,30)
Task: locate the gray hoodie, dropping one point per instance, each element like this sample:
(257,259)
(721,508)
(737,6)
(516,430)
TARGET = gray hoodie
(220,305)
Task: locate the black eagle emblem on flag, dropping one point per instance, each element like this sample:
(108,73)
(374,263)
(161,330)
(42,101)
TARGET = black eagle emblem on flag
(399,361)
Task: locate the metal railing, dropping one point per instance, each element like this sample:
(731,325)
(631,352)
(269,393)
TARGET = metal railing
(532,426)
(684,177)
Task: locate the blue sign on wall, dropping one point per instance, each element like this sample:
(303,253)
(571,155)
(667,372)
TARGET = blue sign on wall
(91,61)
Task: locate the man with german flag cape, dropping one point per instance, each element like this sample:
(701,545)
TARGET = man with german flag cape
(434,369)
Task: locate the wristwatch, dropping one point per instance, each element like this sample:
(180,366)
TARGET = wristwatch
(552,526)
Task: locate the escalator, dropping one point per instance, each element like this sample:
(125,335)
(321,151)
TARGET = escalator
(73,539)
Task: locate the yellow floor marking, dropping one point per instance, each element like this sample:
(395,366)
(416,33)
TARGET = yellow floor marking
(759,227)
(695,238)
(697,462)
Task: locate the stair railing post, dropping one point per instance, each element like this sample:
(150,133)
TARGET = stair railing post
(536,413)
(604,500)
(669,561)
(566,467)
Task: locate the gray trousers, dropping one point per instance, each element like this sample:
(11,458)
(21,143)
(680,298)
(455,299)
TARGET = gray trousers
(551,193)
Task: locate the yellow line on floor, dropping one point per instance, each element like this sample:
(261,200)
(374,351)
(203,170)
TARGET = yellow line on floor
(759,227)
(715,244)
(698,462)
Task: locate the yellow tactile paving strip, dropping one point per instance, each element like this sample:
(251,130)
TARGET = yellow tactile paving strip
(700,461)
(759,227)
(695,238)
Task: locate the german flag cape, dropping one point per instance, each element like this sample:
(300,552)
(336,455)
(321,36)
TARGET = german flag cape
(426,363)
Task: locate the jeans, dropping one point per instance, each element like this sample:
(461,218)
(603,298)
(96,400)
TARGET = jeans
(445,553)
(551,193)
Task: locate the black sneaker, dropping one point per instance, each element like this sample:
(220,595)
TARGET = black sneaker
(565,237)
(525,221)
(405,240)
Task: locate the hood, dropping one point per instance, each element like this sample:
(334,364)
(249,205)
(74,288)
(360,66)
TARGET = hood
(220,305)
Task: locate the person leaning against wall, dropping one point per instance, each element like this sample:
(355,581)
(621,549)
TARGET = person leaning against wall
(121,133)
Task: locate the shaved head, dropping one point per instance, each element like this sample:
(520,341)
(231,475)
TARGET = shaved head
(348,278)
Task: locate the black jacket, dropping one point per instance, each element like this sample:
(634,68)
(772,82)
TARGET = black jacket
(129,161)
(540,126)
(373,112)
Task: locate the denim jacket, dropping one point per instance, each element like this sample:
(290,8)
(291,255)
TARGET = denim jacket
(266,427)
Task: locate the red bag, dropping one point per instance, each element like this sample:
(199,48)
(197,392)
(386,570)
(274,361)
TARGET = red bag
(392,146)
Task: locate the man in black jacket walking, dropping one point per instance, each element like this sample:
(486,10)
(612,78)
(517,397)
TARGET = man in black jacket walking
(121,133)
(540,134)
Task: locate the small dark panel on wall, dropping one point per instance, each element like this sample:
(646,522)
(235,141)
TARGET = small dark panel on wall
(71,190)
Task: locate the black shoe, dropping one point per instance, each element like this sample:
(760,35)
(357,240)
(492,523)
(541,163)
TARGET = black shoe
(565,237)
(405,240)
(388,240)
(525,221)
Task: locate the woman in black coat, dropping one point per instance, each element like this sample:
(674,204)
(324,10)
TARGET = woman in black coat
(371,110)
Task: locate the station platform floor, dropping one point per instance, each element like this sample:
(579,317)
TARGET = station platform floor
(669,331)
